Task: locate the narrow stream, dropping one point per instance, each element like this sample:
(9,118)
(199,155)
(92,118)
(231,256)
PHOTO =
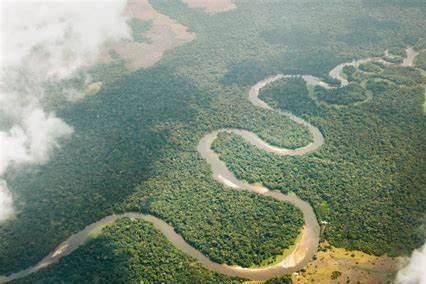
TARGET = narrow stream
(304,250)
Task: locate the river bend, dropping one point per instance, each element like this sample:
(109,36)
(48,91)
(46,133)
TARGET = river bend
(307,246)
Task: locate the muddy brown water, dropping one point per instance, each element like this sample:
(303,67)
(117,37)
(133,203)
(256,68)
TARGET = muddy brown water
(304,250)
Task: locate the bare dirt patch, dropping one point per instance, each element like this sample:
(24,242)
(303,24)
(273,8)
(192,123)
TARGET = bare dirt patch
(212,6)
(348,267)
(164,34)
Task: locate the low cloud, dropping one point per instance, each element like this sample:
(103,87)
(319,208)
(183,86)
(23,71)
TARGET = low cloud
(45,41)
(415,271)
(6,203)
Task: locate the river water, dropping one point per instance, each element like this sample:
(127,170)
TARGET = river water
(304,250)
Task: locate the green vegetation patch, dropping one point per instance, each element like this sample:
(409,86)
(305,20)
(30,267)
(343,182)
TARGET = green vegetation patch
(393,59)
(350,72)
(421,60)
(335,274)
(371,162)
(350,94)
(226,226)
(129,251)
(134,146)
(400,75)
(144,158)
(138,28)
(281,280)
(397,51)
(370,67)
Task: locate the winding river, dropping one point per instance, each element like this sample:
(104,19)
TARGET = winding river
(308,244)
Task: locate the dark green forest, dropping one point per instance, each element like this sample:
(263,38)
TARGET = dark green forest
(367,179)
(347,95)
(421,60)
(134,146)
(129,251)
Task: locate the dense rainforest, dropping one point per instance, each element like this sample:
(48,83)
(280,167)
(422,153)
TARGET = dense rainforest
(366,181)
(129,251)
(134,146)
(421,60)
(347,95)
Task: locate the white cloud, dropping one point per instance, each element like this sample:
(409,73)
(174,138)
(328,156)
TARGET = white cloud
(68,34)
(44,41)
(415,271)
(6,203)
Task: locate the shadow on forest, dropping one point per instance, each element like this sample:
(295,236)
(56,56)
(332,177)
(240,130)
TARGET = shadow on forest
(117,138)
(113,265)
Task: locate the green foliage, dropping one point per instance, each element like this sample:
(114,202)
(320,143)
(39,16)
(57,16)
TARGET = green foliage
(349,72)
(281,280)
(335,275)
(400,75)
(421,60)
(148,137)
(98,168)
(396,51)
(129,251)
(393,59)
(260,38)
(370,67)
(371,162)
(134,146)
(294,36)
(361,33)
(138,27)
(227,227)
(347,95)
